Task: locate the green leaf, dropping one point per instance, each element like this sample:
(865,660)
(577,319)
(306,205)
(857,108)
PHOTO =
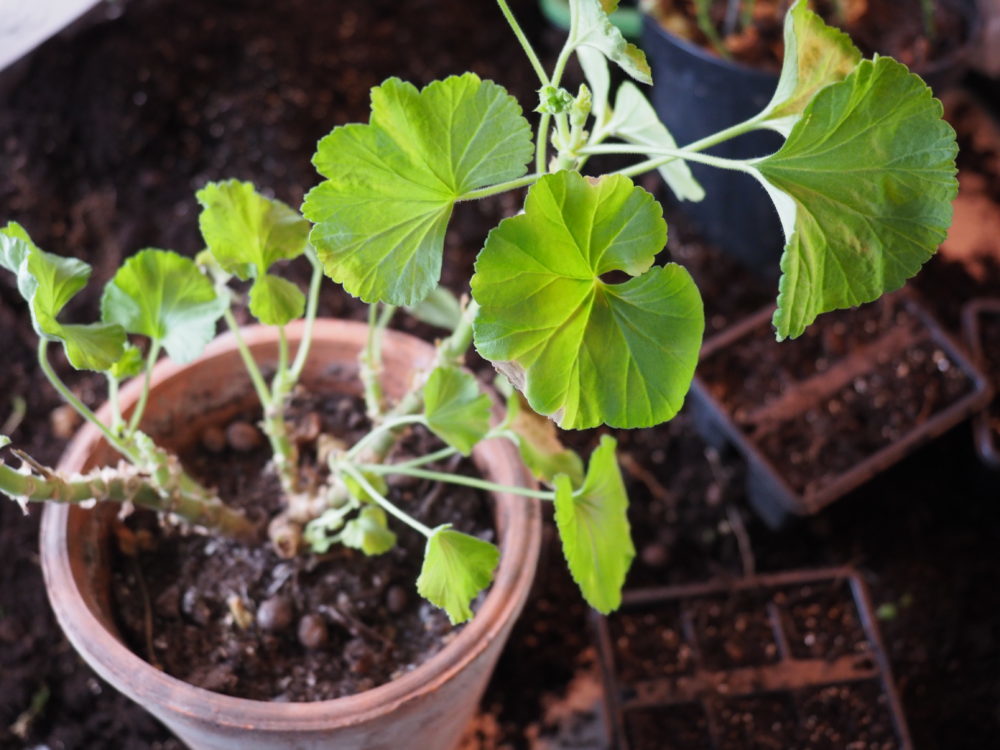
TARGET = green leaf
(382,212)
(456,410)
(816,55)
(440,308)
(593,28)
(863,186)
(48,282)
(539,445)
(594,529)
(163,295)
(4,441)
(634,120)
(595,70)
(129,364)
(275,301)
(376,481)
(456,568)
(369,532)
(320,533)
(248,233)
(583,350)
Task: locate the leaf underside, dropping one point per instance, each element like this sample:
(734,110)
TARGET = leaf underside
(863,186)
(456,568)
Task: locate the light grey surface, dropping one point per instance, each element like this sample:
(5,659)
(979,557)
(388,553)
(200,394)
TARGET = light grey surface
(24,24)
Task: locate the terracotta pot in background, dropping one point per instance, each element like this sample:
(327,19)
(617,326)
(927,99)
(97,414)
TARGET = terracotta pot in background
(426,708)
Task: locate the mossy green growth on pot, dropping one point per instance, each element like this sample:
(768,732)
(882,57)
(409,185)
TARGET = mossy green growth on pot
(863,185)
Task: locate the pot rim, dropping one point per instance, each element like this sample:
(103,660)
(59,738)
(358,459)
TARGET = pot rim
(132,675)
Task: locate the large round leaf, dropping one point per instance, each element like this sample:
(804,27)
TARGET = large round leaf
(582,349)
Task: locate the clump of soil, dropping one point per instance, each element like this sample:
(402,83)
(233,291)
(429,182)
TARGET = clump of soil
(754,35)
(242,621)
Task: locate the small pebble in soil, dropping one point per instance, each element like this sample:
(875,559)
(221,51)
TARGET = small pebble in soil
(213,440)
(313,632)
(64,420)
(195,607)
(396,599)
(243,436)
(359,656)
(275,614)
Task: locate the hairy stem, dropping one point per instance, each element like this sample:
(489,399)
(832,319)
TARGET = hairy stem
(312,305)
(523,40)
(371,365)
(502,187)
(386,505)
(127,485)
(441,476)
(140,408)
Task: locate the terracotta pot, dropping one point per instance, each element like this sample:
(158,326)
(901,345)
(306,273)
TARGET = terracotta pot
(426,708)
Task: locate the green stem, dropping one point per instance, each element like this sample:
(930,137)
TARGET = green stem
(440,476)
(312,305)
(670,155)
(82,409)
(116,412)
(502,187)
(248,361)
(542,145)
(140,408)
(525,44)
(121,487)
(388,506)
(430,458)
(370,361)
(389,425)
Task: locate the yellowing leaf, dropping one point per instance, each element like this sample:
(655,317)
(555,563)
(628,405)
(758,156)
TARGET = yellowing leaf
(456,568)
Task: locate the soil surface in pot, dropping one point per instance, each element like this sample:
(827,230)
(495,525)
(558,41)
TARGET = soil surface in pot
(104,141)
(854,383)
(989,336)
(240,620)
(755,35)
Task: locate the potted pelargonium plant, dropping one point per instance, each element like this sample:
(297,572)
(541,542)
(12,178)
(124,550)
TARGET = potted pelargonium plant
(863,185)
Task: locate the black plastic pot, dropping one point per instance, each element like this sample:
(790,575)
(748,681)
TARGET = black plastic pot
(975,315)
(792,402)
(697,94)
(763,659)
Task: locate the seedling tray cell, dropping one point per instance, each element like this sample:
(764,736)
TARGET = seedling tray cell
(981,326)
(792,660)
(818,416)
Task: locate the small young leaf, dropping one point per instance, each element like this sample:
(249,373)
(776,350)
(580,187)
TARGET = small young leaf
(594,529)
(129,364)
(634,120)
(595,70)
(440,308)
(376,481)
(816,55)
(457,411)
(593,28)
(321,532)
(583,350)
(47,282)
(539,445)
(456,568)
(369,532)
(247,233)
(163,295)
(863,186)
(381,215)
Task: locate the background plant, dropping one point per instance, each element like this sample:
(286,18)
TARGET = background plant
(863,186)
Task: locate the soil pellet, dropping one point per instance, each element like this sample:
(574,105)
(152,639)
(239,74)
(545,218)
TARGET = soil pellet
(313,632)
(275,614)
(396,599)
(243,436)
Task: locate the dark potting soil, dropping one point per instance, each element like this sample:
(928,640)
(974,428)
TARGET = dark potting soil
(989,336)
(888,27)
(854,383)
(317,627)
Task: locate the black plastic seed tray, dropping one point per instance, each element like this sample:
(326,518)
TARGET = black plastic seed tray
(979,317)
(791,660)
(818,416)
